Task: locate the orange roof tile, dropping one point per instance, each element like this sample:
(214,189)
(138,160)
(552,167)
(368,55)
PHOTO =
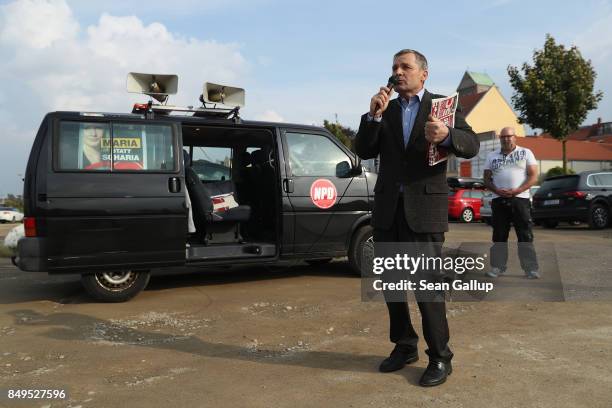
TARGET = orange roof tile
(590,133)
(546,148)
(580,134)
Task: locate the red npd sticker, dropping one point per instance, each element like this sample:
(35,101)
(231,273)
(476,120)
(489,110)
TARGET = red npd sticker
(323,193)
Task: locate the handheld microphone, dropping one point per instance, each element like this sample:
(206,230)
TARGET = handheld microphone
(391,82)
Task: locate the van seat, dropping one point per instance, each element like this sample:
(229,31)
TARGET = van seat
(237,214)
(219,226)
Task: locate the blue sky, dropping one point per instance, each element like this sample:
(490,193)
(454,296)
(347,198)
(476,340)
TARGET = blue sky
(300,61)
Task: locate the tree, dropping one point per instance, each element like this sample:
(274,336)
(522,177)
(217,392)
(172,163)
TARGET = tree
(556,93)
(14,202)
(344,134)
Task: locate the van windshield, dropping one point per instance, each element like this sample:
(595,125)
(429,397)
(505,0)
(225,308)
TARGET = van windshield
(99,146)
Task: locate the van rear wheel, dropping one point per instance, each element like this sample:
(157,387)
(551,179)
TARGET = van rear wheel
(115,286)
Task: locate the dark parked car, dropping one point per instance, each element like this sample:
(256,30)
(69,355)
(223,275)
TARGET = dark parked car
(584,197)
(465,182)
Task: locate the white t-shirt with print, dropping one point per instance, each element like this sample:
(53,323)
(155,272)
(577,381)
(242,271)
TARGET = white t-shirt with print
(510,170)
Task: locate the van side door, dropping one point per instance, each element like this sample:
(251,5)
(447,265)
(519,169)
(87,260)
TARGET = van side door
(114,195)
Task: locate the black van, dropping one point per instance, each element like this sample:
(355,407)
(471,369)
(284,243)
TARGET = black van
(111,196)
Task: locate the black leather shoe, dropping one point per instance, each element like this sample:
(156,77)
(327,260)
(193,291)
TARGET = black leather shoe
(436,373)
(398,359)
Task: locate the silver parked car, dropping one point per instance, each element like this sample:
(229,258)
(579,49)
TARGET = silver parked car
(485,208)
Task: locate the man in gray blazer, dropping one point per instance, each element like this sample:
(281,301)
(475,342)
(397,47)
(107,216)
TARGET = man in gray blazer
(411,197)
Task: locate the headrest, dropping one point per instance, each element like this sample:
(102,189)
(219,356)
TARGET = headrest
(246,159)
(259,157)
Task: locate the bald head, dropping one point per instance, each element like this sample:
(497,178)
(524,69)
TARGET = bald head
(507,138)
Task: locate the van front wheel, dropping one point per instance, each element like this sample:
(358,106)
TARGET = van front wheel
(361,248)
(115,286)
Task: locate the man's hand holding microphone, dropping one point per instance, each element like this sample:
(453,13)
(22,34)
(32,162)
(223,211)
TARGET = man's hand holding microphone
(380,101)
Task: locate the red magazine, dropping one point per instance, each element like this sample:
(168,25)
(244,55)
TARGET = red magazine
(443,109)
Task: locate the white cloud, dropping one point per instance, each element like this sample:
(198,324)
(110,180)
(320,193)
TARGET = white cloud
(49,63)
(165,9)
(89,72)
(36,23)
(270,116)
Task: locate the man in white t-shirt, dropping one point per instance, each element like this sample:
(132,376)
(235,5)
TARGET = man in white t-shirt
(509,173)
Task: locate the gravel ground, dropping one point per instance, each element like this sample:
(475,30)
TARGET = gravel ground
(302,337)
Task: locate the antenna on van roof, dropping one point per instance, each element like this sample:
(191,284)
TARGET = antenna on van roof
(157,86)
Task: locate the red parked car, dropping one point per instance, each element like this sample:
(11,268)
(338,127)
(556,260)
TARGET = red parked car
(464,204)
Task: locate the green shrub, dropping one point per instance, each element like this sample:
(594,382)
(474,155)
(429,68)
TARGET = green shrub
(558,171)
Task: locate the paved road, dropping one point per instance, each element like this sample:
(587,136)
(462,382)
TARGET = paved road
(301,337)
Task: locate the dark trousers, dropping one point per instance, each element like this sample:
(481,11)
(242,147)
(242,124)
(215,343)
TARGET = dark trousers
(433,313)
(517,211)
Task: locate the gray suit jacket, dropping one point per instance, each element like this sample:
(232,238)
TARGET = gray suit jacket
(425,187)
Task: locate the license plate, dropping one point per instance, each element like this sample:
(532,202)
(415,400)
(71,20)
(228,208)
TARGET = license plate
(551,202)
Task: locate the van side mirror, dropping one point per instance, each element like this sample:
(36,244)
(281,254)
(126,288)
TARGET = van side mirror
(343,169)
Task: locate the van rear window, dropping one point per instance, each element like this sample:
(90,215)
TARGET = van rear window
(98,146)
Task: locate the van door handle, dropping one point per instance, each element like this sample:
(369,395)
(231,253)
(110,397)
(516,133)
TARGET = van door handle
(174,185)
(288,185)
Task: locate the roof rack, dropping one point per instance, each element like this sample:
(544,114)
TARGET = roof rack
(214,112)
